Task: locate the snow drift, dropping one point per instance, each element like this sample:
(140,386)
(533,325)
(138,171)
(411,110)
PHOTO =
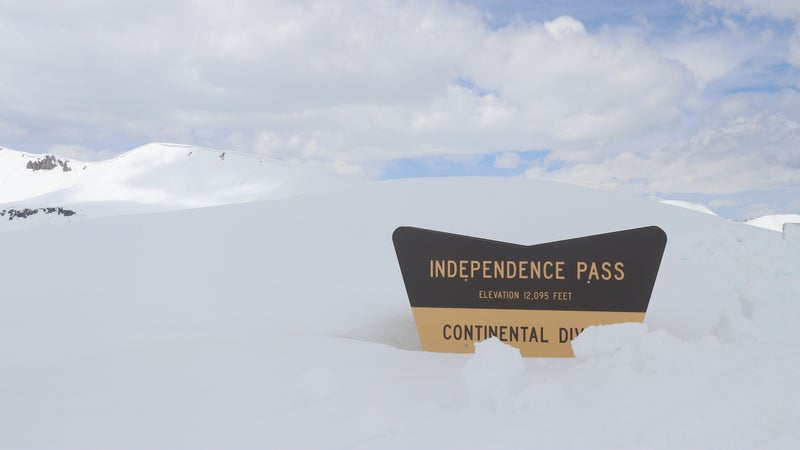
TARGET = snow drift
(285,324)
(776,222)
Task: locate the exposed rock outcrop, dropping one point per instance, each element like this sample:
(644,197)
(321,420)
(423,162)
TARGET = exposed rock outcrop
(25,212)
(49,162)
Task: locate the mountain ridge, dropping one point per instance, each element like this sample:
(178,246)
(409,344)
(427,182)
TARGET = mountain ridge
(154,177)
(163,176)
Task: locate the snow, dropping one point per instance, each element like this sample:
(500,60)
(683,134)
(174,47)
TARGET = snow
(775,222)
(689,205)
(285,324)
(488,376)
(153,177)
(605,341)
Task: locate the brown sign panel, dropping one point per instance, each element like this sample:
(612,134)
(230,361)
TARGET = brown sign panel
(537,298)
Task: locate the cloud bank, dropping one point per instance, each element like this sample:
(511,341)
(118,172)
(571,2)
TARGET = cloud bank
(628,105)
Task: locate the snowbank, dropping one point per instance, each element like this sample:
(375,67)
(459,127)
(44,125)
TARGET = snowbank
(285,324)
(775,222)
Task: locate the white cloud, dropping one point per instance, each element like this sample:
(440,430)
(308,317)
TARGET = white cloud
(794,47)
(507,160)
(737,16)
(79,152)
(565,27)
(713,56)
(344,80)
(747,153)
(776,9)
(355,83)
(581,86)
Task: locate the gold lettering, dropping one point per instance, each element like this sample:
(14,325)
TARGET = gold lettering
(582,267)
(606,271)
(509,272)
(560,270)
(548,274)
(474,266)
(536,270)
(452,268)
(620,269)
(499,269)
(438,269)
(593,273)
(523,269)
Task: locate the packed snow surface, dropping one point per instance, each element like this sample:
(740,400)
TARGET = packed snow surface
(775,222)
(285,324)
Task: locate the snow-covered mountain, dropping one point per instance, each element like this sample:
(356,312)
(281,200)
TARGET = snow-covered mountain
(44,188)
(154,177)
(285,324)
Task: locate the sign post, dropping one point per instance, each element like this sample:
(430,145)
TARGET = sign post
(537,298)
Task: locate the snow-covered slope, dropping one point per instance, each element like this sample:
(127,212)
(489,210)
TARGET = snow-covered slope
(285,324)
(689,205)
(154,177)
(775,222)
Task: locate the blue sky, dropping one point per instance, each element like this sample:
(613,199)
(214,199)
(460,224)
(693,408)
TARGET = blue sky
(664,15)
(472,165)
(696,99)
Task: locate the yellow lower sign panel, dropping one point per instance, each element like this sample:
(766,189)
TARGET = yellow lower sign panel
(533,332)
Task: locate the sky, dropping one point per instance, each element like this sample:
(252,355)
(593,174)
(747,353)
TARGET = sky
(695,100)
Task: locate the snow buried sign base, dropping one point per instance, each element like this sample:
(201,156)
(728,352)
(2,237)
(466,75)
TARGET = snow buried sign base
(537,298)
